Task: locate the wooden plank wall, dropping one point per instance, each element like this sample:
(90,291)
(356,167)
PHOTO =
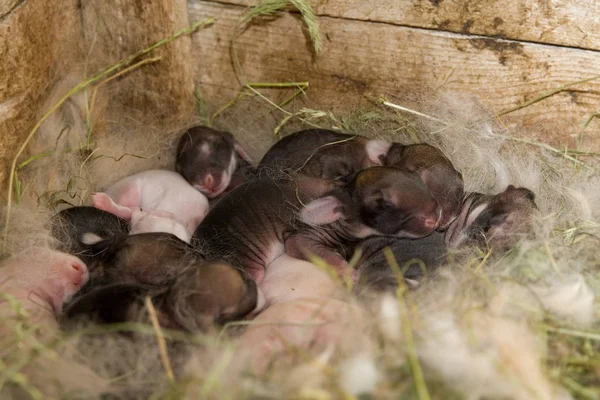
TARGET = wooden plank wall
(505,52)
(42,42)
(32,36)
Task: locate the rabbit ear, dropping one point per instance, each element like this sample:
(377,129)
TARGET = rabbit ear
(377,150)
(474,213)
(512,192)
(109,303)
(241,152)
(322,211)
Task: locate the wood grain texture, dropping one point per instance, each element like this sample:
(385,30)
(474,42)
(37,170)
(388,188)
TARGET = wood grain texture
(361,57)
(573,23)
(35,41)
(43,42)
(163,90)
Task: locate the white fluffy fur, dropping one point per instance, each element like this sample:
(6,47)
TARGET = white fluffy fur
(358,374)
(486,356)
(569,298)
(389,318)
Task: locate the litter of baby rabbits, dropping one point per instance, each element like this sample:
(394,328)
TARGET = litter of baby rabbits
(497,297)
(278,251)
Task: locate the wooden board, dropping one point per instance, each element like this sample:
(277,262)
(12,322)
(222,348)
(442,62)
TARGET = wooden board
(33,37)
(571,23)
(362,57)
(42,42)
(162,92)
